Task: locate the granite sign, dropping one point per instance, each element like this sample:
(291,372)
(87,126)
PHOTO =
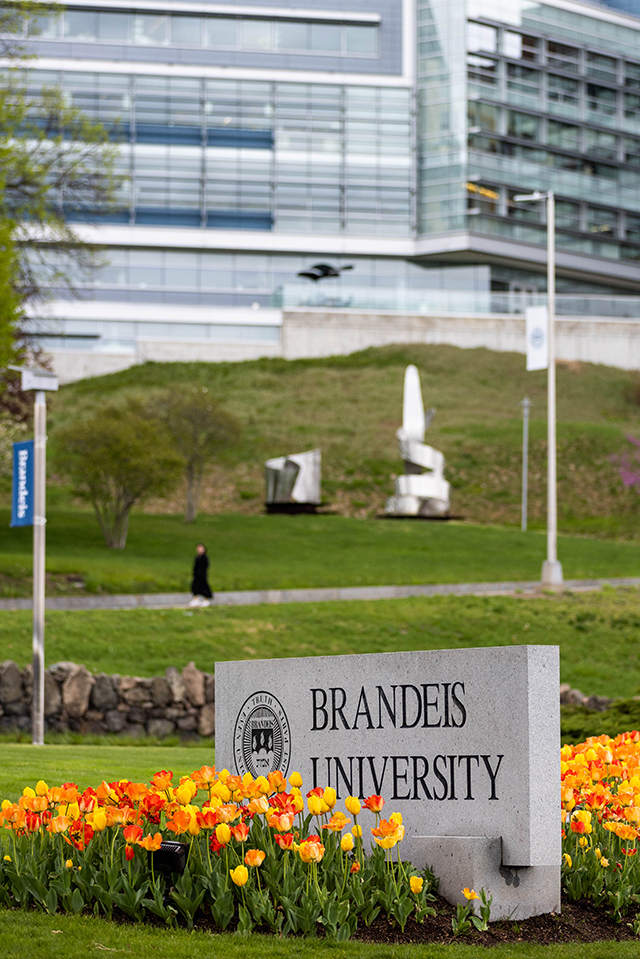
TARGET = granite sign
(464,743)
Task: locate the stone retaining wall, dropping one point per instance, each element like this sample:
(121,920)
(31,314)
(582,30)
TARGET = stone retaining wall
(178,703)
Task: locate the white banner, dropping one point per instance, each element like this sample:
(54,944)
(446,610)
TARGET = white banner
(537,338)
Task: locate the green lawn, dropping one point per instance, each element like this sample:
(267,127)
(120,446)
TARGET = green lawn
(262,552)
(598,633)
(23,765)
(28,935)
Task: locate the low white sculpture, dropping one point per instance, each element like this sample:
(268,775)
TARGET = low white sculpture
(294,479)
(418,493)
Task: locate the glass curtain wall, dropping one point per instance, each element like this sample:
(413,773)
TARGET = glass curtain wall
(241,154)
(534,111)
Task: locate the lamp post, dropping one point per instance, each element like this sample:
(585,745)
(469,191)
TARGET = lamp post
(526,406)
(40,381)
(551,568)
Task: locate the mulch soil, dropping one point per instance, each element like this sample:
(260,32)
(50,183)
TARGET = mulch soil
(578,922)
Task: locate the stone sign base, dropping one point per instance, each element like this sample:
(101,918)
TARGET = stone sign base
(475,862)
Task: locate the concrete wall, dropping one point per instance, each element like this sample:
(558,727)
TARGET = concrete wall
(307,333)
(316,333)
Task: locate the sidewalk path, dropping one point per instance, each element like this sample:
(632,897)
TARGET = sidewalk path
(254,597)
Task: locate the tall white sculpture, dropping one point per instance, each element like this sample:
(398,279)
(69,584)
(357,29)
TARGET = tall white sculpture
(418,493)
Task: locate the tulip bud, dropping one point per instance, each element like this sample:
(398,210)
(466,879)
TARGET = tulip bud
(330,797)
(352,804)
(346,843)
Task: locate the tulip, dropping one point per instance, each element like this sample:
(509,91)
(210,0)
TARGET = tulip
(240,832)
(469,894)
(347,843)
(254,857)
(310,850)
(295,779)
(352,804)
(132,833)
(129,853)
(357,831)
(330,797)
(151,843)
(223,835)
(99,821)
(41,788)
(355,867)
(239,875)
(69,863)
(337,822)
(162,780)
(284,840)
(374,803)
(416,884)
(29,792)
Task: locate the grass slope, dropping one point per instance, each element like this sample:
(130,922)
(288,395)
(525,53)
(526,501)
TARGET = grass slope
(262,552)
(350,407)
(598,633)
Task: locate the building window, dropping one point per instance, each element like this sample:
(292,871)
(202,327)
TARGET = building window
(563,90)
(602,145)
(217,32)
(567,215)
(518,46)
(602,68)
(523,125)
(483,116)
(601,100)
(562,57)
(482,69)
(601,221)
(563,135)
(481,38)
(523,80)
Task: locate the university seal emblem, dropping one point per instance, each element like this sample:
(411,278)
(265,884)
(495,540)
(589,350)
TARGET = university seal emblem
(261,737)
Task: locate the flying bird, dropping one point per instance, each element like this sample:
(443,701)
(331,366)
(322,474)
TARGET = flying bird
(322,271)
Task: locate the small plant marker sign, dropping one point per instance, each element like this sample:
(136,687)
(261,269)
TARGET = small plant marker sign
(464,743)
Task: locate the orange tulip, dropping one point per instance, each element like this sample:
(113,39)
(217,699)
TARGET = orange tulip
(254,857)
(151,843)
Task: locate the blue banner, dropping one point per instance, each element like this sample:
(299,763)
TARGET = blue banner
(22,500)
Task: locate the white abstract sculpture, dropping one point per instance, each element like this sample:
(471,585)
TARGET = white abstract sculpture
(418,493)
(294,479)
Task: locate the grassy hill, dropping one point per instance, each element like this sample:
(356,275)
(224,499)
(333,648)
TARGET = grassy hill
(351,406)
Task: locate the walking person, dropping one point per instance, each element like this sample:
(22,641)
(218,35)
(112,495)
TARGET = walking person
(200,588)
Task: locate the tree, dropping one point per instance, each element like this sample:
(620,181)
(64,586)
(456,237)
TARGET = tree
(116,458)
(201,429)
(54,163)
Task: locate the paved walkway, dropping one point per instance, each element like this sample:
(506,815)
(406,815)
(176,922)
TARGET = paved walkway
(256,596)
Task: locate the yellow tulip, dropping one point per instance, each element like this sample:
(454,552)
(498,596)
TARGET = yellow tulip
(315,805)
(352,804)
(99,821)
(69,863)
(357,831)
(346,843)
(330,797)
(416,884)
(223,835)
(239,875)
(29,792)
(295,779)
(41,788)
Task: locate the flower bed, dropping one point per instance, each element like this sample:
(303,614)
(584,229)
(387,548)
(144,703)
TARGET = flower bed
(260,855)
(253,855)
(600,817)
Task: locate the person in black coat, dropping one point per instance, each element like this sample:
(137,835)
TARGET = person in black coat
(200,588)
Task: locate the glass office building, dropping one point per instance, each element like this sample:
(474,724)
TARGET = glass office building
(388,135)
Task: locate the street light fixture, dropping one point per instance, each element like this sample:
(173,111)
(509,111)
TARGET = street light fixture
(40,381)
(551,568)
